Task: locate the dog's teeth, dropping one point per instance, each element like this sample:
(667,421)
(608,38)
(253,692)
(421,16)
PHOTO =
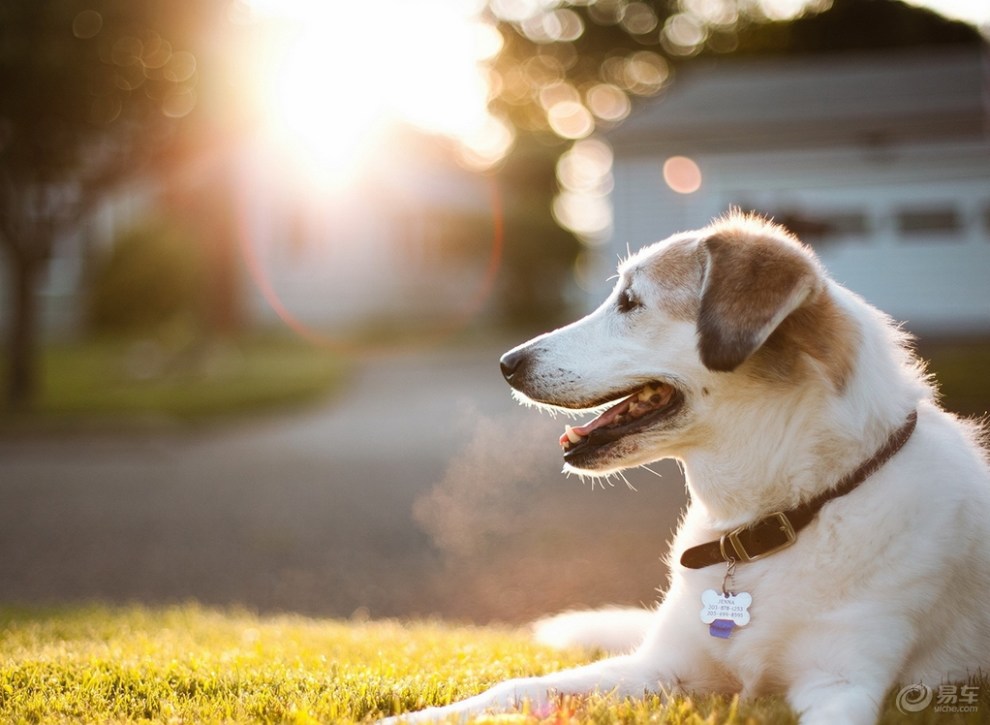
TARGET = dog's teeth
(570,438)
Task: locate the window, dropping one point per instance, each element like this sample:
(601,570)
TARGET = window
(929,221)
(827,227)
(821,227)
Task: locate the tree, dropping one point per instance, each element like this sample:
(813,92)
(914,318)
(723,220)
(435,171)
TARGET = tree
(92,91)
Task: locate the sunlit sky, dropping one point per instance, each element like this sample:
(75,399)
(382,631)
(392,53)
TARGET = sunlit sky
(343,71)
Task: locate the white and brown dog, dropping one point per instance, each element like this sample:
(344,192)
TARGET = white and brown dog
(837,540)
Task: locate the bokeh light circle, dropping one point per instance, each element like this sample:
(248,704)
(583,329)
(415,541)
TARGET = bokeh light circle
(682,175)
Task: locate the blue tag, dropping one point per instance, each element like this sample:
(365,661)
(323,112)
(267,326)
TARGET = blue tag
(721,628)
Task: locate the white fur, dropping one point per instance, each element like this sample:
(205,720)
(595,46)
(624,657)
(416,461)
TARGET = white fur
(886,586)
(612,629)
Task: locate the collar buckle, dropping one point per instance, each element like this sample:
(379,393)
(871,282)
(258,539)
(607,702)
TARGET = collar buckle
(773,525)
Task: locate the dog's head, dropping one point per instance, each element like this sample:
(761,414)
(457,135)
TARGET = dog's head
(738,310)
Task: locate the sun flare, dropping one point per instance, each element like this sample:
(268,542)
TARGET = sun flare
(340,74)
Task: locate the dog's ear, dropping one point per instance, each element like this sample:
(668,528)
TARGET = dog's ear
(750,287)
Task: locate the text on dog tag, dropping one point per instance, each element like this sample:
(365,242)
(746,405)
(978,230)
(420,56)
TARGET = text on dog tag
(725,611)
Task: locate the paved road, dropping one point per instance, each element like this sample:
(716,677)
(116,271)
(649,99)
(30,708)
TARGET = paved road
(422,490)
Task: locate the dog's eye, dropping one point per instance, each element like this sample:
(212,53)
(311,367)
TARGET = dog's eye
(627,300)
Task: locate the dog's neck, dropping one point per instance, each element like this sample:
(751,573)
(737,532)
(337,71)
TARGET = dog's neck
(794,460)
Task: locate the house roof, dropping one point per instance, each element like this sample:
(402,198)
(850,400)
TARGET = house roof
(875,98)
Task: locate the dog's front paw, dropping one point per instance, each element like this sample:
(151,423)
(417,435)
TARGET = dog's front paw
(448,714)
(529,693)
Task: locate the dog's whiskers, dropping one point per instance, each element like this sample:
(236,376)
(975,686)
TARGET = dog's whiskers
(601,480)
(622,475)
(584,478)
(555,410)
(647,468)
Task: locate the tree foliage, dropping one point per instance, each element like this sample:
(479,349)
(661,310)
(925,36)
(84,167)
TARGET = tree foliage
(604,55)
(155,276)
(89,87)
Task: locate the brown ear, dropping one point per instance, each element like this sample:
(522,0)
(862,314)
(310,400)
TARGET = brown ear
(751,285)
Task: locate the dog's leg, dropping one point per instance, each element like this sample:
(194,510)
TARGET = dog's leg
(625,676)
(827,699)
(849,677)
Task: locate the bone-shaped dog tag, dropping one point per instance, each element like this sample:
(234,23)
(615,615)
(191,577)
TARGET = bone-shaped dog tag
(723,612)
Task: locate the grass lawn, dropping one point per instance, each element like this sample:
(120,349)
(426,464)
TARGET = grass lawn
(190,665)
(126,382)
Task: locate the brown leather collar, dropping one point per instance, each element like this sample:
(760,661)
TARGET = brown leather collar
(779,530)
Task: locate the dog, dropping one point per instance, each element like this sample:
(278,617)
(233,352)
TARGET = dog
(836,540)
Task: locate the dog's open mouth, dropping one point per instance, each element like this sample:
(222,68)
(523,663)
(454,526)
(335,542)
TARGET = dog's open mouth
(635,412)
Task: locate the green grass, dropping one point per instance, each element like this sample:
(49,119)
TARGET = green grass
(190,665)
(126,381)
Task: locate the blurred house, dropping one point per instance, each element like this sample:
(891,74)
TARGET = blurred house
(406,245)
(880,161)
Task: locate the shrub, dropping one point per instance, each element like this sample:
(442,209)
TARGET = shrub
(154,277)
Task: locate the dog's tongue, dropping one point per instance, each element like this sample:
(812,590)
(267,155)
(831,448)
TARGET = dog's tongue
(573,434)
(650,397)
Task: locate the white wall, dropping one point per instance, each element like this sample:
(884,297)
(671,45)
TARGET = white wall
(937,283)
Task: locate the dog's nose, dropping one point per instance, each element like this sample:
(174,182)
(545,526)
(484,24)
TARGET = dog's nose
(512,363)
